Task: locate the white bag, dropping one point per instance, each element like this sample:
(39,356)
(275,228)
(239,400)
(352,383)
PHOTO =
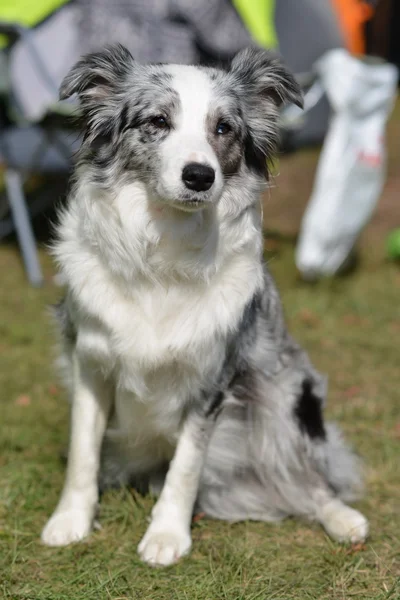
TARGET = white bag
(351,169)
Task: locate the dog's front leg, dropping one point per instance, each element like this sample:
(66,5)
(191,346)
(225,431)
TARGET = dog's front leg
(74,515)
(168,535)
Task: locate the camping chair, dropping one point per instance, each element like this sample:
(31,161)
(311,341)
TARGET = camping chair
(43,147)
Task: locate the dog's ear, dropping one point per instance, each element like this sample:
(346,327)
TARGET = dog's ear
(99,81)
(263,83)
(96,76)
(264,76)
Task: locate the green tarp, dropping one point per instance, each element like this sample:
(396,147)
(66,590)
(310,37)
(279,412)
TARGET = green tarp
(259,18)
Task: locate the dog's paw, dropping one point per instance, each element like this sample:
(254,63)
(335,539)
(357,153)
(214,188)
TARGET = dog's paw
(66,527)
(163,547)
(345,524)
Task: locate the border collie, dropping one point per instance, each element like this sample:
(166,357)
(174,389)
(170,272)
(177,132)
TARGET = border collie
(182,374)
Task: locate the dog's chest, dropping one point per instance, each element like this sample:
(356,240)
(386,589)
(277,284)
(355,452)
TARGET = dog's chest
(159,340)
(164,347)
(154,325)
(162,343)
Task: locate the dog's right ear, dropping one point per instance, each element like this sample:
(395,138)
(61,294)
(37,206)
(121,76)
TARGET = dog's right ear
(97,75)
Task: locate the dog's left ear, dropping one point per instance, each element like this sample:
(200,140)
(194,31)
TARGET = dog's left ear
(265,77)
(263,84)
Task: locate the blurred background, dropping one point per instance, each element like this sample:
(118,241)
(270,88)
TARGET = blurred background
(332,225)
(343,53)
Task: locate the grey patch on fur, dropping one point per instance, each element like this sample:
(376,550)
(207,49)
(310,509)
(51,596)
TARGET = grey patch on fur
(235,363)
(63,318)
(228,147)
(228,109)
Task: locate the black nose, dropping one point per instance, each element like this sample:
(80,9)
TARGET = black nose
(198,177)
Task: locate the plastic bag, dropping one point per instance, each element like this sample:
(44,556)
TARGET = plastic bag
(351,169)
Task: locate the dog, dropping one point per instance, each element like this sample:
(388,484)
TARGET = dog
(183,377)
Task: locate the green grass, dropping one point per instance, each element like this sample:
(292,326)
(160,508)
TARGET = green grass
(351,328)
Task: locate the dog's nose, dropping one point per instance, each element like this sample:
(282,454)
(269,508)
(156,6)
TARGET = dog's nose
(198,177)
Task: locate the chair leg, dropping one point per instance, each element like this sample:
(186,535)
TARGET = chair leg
(23,226)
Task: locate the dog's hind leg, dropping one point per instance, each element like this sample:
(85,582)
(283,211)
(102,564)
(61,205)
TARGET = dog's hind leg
(73,517)
(273,500)
(264,465)
(341,522)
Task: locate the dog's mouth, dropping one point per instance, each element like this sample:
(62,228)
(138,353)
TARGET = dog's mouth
(191,203)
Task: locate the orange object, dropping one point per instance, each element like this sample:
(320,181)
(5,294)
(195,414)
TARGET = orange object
(353,14)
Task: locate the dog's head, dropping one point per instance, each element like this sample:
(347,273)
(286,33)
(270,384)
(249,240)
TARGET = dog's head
(184,131)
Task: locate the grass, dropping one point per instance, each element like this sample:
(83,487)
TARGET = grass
(351,328)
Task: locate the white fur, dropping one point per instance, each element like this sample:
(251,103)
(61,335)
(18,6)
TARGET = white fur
(74,515)
(343,523)
(188,143)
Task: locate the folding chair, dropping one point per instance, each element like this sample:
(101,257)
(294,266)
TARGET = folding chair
(26,147)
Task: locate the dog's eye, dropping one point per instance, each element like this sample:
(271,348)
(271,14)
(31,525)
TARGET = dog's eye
(223,128)
(159,121)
